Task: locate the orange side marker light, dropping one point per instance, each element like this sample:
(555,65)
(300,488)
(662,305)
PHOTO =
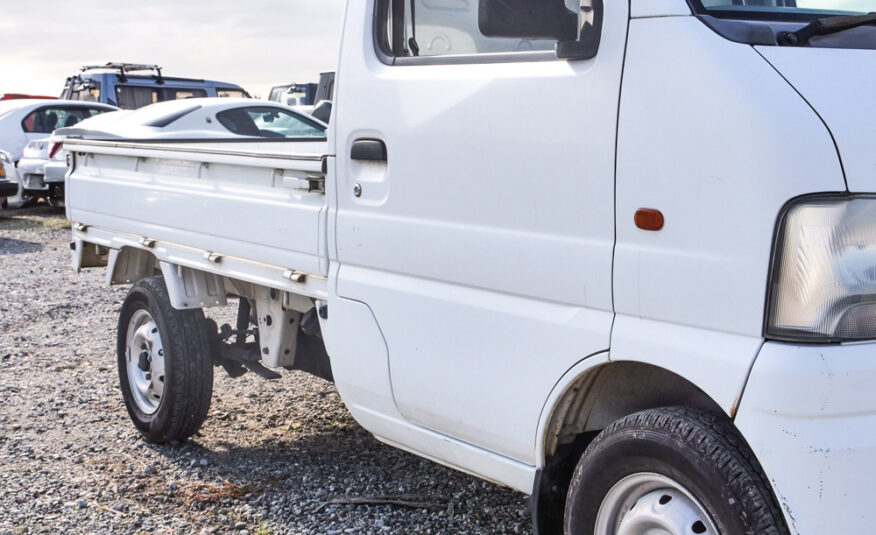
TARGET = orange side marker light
(649,219)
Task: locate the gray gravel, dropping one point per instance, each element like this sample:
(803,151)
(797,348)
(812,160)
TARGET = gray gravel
(273,458)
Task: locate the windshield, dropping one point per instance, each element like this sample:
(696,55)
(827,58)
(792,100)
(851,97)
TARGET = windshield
(86,92)
(794,8)
(271,122)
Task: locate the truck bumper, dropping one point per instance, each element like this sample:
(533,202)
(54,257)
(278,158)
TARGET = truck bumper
(809,414)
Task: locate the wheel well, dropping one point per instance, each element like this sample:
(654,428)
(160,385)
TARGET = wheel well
(129,265)
(610,392)
(594,400)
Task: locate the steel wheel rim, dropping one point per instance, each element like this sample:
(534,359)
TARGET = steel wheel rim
(652,504)
(144,361)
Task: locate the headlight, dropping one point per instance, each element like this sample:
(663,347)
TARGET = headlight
(823,287)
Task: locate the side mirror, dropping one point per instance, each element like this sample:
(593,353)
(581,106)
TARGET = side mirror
(527,19)
(544,19)
(587,45)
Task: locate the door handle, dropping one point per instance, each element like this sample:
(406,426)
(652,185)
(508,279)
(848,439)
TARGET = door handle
(369,150)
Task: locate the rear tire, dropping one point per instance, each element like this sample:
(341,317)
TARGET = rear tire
(165,369)
(671,470)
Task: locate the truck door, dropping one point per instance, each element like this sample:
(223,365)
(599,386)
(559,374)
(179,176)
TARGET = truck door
(476,210)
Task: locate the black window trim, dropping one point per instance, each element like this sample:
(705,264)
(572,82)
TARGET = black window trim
(387,57)
(699,9)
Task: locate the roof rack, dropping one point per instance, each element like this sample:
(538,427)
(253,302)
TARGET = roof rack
(125,68)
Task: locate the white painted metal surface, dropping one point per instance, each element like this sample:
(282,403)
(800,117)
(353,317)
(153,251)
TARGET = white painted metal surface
(261,208)
(809,414)
(690,298)
(518,222)
(659,8)
(839,84)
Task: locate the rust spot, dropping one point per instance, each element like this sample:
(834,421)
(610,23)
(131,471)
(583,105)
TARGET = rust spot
(649,219)
(734,407)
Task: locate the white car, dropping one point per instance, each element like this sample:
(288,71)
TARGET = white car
(202,119)
(23,121)
(37,159)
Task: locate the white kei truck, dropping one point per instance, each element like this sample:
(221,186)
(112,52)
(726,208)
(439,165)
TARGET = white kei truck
(619,256)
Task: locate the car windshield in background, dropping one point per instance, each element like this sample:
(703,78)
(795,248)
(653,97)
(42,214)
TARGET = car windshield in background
(793,8)
(86,92)
(135,97)
(269,122)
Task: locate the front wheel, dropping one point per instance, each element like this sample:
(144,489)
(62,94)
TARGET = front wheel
(671,471)
(165,369)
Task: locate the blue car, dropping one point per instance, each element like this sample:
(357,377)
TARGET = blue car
(114,84)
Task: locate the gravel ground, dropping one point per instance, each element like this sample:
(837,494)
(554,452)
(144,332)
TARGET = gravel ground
(273,457)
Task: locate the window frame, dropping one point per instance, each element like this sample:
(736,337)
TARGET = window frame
(699,9)
(388,57)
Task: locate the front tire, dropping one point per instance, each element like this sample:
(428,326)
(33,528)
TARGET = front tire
(670,471)
(165,369)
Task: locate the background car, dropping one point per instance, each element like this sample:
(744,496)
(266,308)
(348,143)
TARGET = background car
(21,96)
(199,119)
(23,121)
(8,185)
(114,84)
(33,182)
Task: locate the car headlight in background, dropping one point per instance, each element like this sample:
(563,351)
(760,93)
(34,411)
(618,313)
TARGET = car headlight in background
(823,287)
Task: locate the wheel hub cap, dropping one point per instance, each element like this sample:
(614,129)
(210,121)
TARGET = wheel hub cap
(144,357)
(652,504)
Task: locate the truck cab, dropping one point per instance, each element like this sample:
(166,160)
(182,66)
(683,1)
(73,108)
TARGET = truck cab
(615,255)
(114,84)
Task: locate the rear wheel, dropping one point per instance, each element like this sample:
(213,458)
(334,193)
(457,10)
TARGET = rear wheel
(672,471)
(165,369)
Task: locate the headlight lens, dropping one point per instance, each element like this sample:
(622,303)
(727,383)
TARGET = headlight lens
(824,283)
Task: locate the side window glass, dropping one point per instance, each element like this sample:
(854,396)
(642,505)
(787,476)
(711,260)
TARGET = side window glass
(232,93)
(47,120)
(448,28)
(268,122)
(133,98)
(174,93)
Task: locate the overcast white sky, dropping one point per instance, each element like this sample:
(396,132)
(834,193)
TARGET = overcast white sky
(254,43)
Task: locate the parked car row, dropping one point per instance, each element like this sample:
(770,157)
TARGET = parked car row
(118,97)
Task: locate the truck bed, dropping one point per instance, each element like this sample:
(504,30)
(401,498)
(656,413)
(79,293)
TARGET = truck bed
(253,211)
